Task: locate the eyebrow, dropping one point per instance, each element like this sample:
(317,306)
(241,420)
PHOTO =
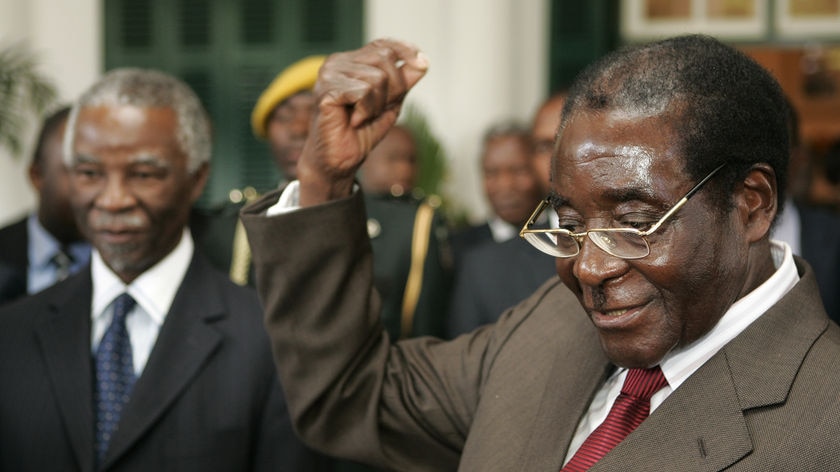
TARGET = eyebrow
(617,195)
(150,160)
(140,159)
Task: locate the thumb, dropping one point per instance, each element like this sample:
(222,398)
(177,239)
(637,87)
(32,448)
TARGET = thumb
(415,68)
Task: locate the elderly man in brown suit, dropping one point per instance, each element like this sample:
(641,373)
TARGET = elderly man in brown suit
(681,336)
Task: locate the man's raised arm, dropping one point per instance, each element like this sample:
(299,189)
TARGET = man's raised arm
(358,96)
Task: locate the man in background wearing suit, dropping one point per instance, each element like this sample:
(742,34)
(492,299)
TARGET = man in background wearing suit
(494,272)
(811,231)
(149,359)
(680,337)
(45,246)
(510,185)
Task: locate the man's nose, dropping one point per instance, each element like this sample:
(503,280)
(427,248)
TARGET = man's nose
(593,265)
(115,194)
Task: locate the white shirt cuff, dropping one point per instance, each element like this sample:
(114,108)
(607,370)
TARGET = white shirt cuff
(289,200)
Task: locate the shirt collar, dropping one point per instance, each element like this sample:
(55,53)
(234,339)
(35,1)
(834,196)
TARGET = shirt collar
(501,229)
(42,245)
(679,365)
(154,290)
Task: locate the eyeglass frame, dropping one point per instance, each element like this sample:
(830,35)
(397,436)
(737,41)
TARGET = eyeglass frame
(578,237)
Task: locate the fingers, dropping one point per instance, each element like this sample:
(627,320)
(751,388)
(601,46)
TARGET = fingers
(372,79)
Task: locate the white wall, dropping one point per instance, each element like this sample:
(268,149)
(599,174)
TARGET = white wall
(488,63)
(66,35)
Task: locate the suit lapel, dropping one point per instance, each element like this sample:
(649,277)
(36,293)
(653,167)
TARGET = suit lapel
(64,338)
(567,392)
(185,343)
(557,420)
(702,426)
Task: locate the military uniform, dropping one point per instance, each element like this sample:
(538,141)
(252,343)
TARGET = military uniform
(412,265)
(219,235)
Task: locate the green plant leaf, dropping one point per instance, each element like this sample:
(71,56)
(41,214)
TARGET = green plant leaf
(24,93)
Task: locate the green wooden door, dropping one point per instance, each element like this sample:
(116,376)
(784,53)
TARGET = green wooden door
(581,31)
(228,51)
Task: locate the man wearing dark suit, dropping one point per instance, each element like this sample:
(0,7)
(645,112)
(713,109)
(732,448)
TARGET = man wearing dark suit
(811,231)
(693,329)
(510,184)
(149,359)
(45,246)
(495,274)
(492,278)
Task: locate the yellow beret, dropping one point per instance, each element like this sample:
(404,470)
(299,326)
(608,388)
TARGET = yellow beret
(296,78)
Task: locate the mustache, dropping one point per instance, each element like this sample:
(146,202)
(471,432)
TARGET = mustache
(122,221)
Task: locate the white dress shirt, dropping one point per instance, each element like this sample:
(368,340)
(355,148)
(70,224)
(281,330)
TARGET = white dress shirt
(501,230)
(679,364)
(153,291)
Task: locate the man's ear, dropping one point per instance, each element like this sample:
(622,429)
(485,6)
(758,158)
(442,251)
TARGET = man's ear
(199,178)
(36,177)
(756,199)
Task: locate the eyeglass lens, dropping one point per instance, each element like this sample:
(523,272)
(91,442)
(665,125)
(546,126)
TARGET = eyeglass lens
(618,243)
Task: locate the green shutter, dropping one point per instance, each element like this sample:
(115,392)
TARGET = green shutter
(229,51)
(580,33)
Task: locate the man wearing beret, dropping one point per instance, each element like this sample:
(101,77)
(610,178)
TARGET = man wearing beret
(280,116)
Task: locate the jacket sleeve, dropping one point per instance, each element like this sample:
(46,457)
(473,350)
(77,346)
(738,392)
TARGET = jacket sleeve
(351,393)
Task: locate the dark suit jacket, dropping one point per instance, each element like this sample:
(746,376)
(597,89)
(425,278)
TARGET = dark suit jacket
(493,277)
(208,398)
(14,260)
(468,238)
(820,233)
(508,397)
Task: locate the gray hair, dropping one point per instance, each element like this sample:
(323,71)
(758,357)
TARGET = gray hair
(149,88)
(513,129)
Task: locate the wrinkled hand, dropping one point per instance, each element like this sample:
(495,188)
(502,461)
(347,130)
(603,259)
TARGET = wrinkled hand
(358,95)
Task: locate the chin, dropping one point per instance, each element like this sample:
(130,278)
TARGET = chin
(631,356)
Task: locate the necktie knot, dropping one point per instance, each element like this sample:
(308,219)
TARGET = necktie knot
(62,261)
(628,411)
(643,383)
(122,305)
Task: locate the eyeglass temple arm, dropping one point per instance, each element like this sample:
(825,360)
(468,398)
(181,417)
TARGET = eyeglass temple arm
(682,201)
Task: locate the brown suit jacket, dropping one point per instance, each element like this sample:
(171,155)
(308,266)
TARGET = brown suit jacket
(509,396)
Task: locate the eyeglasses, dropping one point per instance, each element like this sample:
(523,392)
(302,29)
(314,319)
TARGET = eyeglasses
(626,243)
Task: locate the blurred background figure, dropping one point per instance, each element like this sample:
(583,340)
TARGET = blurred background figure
(391,167)
(45,246)
(812,231)
(409,236)
(280,117)
(283,111)
(494,268)
(543,132)
(511,187)
(824,187)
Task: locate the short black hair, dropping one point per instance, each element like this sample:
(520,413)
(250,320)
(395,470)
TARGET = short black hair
(48,127)
(725,107)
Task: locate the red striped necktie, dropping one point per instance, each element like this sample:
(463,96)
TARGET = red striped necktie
(629,410)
